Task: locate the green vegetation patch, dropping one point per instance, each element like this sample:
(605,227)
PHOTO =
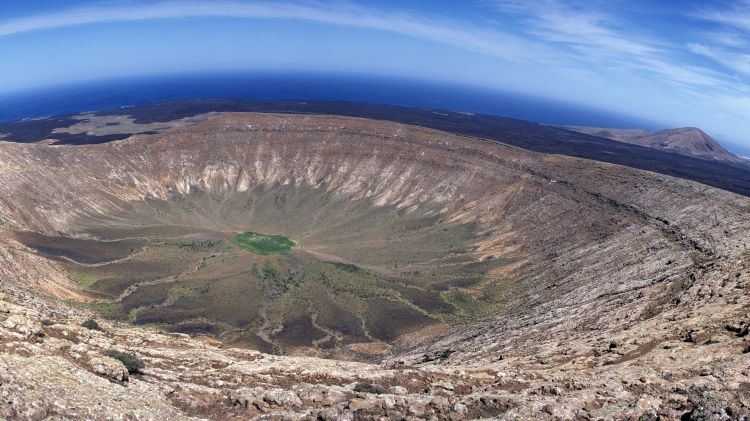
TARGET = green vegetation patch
(91,324)
(111,310)
(131,361)
(181,293)
(264,244)
(82,278)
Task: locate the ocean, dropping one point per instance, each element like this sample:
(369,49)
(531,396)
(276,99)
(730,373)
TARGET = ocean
(100,95)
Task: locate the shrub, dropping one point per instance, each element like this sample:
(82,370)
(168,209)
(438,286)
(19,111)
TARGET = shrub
(369,388)
(347,267)
(91,324)
(130,361)
(426,358)
(446,354)
(47,322)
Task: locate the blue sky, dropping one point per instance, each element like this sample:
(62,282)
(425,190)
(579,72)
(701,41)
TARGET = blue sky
(683,63)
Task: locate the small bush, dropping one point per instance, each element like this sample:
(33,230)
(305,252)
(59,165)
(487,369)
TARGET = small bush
(91,324)
(347,267)
(47,322)
(130,361)
(446,354)
(369,388)
(442,355)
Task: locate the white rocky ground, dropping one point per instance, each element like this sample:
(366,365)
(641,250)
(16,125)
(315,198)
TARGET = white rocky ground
(682,361)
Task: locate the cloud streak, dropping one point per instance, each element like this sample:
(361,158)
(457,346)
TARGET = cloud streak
(604,39)
(738,62)
(589,35)
(727,48)
(734,14)
(482,40)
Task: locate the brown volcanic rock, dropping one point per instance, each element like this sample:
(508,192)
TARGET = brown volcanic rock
(617,303)
(686,140)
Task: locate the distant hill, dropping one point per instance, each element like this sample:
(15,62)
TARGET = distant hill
(686,140)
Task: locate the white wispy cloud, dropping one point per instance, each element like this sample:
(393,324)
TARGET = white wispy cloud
(727,47)
(708,68)
(731,14)
(477,39)
(727,39)
(604,39)
(588,34)
(736,61)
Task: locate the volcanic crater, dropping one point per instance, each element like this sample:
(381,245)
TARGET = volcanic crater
(352,238)
(399,227)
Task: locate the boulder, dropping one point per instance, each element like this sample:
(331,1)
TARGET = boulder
(284,398)
(328,414)
(109,368)
(443,386)
(367,404)
(398,390)
(23,326)
(461,409)
(245,397)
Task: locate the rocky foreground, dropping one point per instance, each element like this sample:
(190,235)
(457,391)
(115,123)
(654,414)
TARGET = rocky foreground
(693,364)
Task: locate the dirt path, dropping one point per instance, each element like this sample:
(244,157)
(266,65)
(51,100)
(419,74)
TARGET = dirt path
(329,333)
(263,313)
(93,265)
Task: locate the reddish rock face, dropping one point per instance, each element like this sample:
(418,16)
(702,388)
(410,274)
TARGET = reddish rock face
(686,141)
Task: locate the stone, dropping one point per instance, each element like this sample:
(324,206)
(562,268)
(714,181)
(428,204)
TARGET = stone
(328,414)
(333,397)
(460,408)
(109,368)
(246,397)
(214,343)
(27,328)
(366,404)
(418,408)
(439,403)
(281,397)
(443,385)
(398,390)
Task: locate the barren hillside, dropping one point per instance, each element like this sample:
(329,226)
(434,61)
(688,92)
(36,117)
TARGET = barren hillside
(685,140)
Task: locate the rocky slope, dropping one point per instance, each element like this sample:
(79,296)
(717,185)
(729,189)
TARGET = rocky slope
(622,293)
(685,140)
